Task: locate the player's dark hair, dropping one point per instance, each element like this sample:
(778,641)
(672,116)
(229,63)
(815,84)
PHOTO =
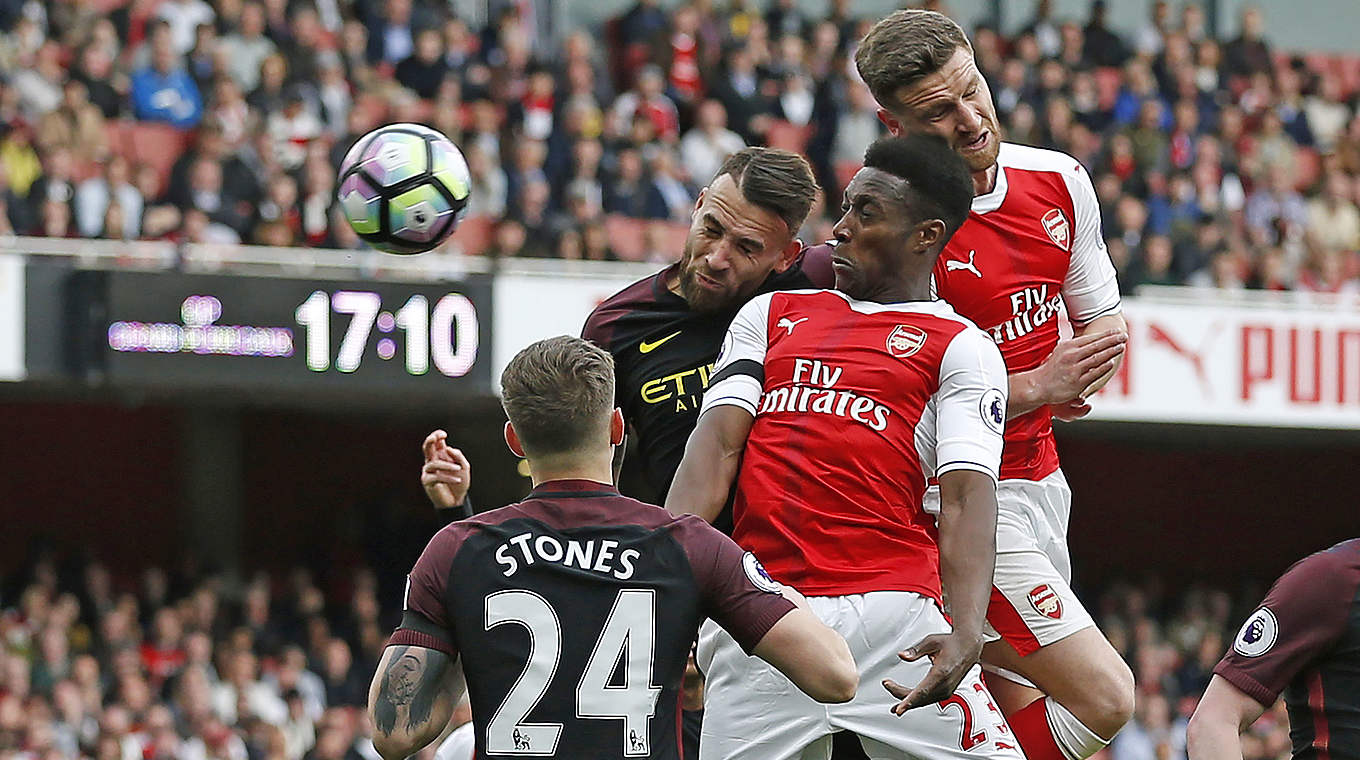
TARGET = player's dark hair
(940,181)
(904,48)
(558,393)
(777,180)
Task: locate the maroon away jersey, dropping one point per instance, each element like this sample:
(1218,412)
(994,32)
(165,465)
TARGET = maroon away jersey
(856,405)
(1304,641)
(1029,246)
(574,611)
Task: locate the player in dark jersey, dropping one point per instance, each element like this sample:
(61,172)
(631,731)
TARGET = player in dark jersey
(664,331)
(1304,641)
(632,582)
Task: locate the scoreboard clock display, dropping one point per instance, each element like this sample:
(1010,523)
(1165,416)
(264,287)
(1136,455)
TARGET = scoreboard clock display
(260,333)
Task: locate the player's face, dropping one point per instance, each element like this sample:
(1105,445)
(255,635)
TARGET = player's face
(873,235)
(732,246)
(955,104)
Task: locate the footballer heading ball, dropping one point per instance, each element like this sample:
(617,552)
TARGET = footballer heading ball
(403,188)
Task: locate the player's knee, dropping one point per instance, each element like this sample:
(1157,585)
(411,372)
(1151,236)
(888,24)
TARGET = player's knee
(1113,699)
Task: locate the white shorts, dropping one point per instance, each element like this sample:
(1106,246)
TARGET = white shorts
(1032,602)
(753,712)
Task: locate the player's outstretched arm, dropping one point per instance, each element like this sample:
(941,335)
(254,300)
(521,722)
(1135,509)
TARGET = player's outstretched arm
(967,559)
(1077,367)
(411,699)
(712,457)
(813,656)
(446,475)
(1215,731)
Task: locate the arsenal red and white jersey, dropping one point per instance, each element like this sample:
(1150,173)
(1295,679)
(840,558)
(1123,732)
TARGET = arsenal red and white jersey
(1029,246)
(856,405)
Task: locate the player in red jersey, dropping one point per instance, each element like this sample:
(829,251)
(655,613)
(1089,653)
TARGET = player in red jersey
(830,410)
(632,581)
(1031,245)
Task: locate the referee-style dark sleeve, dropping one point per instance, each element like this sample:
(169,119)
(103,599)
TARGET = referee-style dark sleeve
(1301,617)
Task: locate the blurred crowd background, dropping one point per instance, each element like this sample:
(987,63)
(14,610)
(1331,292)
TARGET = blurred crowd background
(190,665)
(1219,162)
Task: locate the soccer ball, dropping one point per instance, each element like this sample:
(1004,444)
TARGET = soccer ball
(403,188)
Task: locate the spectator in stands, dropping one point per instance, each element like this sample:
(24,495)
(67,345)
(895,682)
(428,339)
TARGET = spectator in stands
(112,189)
(76,125)
(668,197)
(164,91)
(248,46)
(1333,217)
(487,196)
(268,96)
(648,99)
(39,84)
(1275,211)
(1248,53)
(1102,47)
(641,23)
(306,39)
(293,128)
(627,190)
(183,18)
(738,87)
(704,148)
(106,87)
(595,242)
(391,37)
(424,70)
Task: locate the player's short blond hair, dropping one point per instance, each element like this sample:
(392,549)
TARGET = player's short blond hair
(904,48)
(558,394)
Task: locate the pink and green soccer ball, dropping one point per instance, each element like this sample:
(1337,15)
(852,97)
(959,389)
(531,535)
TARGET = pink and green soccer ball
(403,188)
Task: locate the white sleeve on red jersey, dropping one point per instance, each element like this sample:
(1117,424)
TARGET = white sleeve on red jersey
(739,372)
(1090,289)
(970,406)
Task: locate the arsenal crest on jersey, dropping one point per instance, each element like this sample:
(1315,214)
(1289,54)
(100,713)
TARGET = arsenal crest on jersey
(1045,601)
(906,340)
(1059,231)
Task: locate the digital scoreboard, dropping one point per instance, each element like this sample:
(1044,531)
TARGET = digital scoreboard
(262,333)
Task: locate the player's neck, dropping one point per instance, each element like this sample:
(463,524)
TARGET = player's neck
(903,292)
(984,181)
(597,468)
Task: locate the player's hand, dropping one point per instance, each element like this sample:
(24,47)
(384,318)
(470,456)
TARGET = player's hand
(951,655)
(447,474)
(1072,410)
(1077,363)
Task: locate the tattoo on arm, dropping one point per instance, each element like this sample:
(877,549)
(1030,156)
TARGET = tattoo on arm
(413,681)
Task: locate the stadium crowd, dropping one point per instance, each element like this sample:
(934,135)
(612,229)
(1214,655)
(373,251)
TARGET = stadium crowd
(1219,162)
(192,666)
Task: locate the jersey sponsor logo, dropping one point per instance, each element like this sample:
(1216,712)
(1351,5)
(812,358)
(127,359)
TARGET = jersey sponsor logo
(1059,231)
(789,324)
(954,265)
(1258,634)
(1045,601)
(647,348)
(905,341)
(759,576)
(1031,308)
(993,409)
(684,389)
(814,391)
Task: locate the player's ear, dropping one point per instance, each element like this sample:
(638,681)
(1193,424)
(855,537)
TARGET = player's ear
(929,234)
(512,440)
(891,122)
(616,427)
(788,255)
